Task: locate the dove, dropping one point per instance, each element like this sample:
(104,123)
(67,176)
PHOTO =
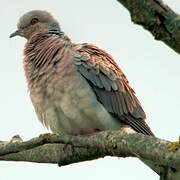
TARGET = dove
(76,88)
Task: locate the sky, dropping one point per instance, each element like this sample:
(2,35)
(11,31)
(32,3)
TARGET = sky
(151,67)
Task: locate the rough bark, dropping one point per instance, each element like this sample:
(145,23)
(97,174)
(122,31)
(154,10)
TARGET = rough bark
(66,149)
(158,18)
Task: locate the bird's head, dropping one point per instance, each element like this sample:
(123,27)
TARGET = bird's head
(36,21)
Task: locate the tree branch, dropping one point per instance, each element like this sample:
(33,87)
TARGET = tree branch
(158,18)
(66,149)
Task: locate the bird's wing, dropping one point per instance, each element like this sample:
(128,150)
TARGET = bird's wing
(110,86)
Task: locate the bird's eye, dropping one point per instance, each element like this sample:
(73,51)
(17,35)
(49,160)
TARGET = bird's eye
(34,21)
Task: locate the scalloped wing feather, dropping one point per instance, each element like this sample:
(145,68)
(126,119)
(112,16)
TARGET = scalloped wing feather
(111,86)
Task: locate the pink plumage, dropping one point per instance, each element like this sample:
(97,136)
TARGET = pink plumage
(75,88)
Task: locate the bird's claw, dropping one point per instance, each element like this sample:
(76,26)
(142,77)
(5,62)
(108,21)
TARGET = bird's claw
(46,137)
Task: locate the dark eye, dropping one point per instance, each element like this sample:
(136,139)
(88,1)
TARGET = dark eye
(34,21)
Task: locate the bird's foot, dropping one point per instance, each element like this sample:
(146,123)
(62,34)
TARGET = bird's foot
(88,132)
(46,137)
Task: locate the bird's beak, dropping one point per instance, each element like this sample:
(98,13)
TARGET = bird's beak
(16,33)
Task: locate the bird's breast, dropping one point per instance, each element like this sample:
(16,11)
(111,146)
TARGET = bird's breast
(64,101)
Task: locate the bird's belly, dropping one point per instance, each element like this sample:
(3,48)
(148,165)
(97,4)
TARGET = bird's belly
(74,109)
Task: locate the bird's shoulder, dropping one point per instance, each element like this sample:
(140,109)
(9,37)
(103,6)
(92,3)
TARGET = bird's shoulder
(98,62)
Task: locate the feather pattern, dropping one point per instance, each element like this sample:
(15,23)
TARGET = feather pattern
(112,87)
(45,53)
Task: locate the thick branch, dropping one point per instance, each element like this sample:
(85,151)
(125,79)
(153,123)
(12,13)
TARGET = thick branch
(157,18)
(65,149)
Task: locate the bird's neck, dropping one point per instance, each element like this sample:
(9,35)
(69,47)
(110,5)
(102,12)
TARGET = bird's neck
(41,43)
(54,28)
(42,51)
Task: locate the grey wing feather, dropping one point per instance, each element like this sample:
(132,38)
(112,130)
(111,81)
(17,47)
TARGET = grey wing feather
(115,94)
